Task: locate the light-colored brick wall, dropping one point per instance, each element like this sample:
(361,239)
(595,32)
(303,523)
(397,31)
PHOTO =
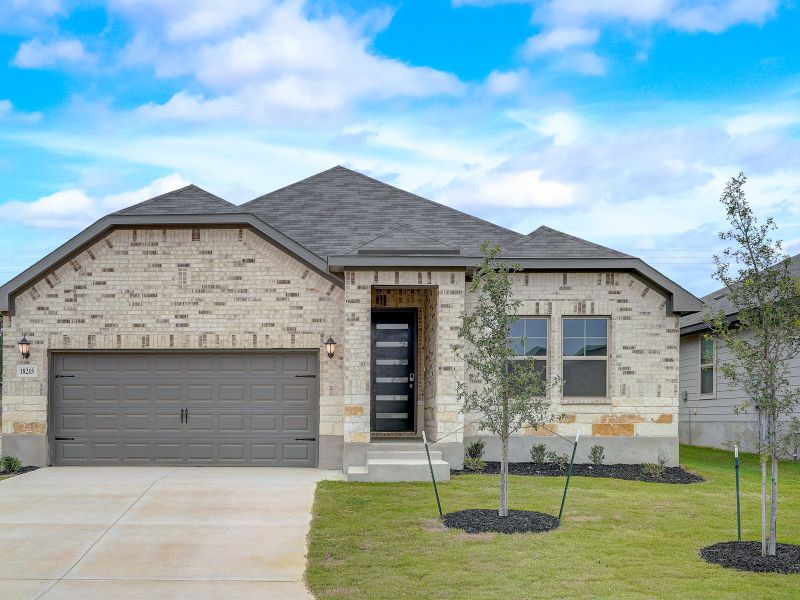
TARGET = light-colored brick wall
(173,289)
(442,411)
(643,351)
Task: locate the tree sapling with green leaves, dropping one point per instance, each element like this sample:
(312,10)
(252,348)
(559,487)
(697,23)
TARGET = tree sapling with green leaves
(764,336)
(507,391)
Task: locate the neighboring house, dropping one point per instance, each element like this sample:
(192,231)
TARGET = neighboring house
(187,330)
(707,415)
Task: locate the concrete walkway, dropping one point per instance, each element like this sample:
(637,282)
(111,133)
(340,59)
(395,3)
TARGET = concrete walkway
(156,533)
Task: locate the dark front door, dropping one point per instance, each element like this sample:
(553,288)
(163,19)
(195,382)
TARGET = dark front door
(393,344)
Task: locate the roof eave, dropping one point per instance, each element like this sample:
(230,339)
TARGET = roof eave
(102,226)
(681,302)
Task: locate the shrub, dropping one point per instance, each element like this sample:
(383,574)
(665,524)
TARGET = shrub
(597,455)
(560,460)
(538,452)
(474,464)
(11,464)
(475,449)
(656,470)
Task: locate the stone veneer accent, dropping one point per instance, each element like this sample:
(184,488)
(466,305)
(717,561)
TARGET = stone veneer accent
(643,354)
(442,411)
(173,289)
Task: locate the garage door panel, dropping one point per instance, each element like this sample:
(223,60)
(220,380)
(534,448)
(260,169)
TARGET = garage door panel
(243,409)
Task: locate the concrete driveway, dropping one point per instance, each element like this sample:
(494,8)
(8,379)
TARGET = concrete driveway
(152,532)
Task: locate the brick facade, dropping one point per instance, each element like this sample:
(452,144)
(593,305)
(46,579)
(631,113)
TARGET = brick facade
(209,288)
(173,289)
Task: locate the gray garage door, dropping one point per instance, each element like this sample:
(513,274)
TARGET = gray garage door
(193,409)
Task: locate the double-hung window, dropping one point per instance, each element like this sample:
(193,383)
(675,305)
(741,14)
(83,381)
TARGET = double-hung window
(708,379)
(528,339)
(585,357)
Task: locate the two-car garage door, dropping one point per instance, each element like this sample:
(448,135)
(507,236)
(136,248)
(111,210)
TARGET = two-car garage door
(257,409)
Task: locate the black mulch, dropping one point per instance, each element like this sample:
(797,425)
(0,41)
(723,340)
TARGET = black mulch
(629,472)
(746,556)
(482,520)
(27,469)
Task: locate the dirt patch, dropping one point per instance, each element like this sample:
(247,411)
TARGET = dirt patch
(475,537)
(627,472)
(484,520)
(583,518)
(432,525)
(746,556)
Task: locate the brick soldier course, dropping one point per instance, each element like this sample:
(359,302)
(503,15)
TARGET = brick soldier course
(188,271)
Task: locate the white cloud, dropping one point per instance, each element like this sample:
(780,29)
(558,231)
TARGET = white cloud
(559,39)
(502,83)
(268,60)
(36,54)
(525,190)
(753,122)
(75,209)
(5,108)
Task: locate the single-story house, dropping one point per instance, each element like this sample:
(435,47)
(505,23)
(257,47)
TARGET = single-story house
(314,326)
(708,401)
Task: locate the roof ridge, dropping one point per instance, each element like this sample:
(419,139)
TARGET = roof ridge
(575,238)
(178,191)
(389,185)
(293,184)
(395,225)
(428,201)
(423,233)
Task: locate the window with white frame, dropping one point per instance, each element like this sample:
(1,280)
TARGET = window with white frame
(708,376)
(528,339)
(585,357)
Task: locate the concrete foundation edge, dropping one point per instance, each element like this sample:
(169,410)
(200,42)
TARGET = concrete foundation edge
(331,452)
(625,450)
(30,448)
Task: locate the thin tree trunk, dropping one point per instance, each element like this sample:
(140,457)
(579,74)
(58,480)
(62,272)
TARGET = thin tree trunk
(762,438)
(503,512)
(773,508)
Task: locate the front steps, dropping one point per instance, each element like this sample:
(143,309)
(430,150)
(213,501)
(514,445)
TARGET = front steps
(399,461)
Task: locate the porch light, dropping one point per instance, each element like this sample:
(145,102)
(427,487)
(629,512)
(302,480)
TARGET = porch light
(24,347)
(330,347)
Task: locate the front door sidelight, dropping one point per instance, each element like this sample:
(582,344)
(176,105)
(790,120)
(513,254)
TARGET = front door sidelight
(393,378)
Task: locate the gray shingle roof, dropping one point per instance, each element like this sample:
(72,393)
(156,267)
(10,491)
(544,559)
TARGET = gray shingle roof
(718,300)
(404,239)
(189,200)
(336,211)
(545,242)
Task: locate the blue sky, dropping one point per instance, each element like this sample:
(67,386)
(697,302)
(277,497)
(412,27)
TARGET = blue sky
(612,120)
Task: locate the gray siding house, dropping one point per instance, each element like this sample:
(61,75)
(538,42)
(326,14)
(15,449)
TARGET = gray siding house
(707,415)
(314,326)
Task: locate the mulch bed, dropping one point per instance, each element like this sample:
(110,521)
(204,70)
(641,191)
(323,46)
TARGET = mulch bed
(21,471)
(483,520)
(628,472)
(746,556)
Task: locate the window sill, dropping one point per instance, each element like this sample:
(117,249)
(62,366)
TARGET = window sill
(589,400)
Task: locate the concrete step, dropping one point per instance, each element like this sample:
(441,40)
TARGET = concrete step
(399,469)
(412,454)
(401,446)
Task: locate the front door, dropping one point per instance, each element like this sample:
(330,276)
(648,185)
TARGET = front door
(393,345)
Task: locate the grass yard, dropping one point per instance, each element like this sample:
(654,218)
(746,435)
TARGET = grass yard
(619,539)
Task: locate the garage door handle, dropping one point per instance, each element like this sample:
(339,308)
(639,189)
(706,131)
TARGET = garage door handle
(62,376)
(311,376)
(60,439)
(181,415)
(305,439)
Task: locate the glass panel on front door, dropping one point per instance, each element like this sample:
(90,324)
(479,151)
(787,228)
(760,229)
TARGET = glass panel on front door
(393,335)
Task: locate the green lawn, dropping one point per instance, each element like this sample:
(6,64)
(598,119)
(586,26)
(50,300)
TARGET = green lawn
(619,539)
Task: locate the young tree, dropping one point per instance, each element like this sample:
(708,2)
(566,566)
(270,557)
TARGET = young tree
(508,394)
(764,336)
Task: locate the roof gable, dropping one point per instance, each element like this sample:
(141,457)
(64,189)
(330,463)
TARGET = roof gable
(546,242)
(339,210)
(189,200)
(404,239)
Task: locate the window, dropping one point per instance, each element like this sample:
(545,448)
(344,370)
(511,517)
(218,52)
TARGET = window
(585,360)
(528,339)
(708,377)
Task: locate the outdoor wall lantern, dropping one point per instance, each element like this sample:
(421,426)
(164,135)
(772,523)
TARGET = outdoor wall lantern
(330,347)
(24,347)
